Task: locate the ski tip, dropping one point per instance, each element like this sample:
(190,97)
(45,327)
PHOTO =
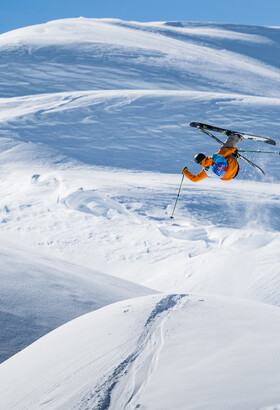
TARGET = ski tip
(196,124)
(271,142)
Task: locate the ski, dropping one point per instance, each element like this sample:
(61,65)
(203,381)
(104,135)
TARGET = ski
(244,135)
(251,163)
(239,155)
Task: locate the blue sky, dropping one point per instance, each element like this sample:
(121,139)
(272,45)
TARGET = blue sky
(20,13)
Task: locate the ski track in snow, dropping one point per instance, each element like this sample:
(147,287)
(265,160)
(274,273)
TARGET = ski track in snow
(122,389)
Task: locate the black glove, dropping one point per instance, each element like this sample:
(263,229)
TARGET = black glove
(184,169)
(235,153)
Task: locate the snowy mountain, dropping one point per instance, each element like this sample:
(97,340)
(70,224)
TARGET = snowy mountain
(174,351)
(39,293)
(93,137)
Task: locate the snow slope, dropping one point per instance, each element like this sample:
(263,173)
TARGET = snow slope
(93,136)
(174,351)
(139,85)
(86,54)
(39,293)
(138,129)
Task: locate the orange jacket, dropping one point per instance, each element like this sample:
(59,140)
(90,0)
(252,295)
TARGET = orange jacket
(232,166)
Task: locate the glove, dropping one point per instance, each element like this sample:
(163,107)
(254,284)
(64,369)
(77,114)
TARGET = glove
(184,169)
(235,153)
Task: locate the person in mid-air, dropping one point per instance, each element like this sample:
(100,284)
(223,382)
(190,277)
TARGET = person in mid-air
(221,165)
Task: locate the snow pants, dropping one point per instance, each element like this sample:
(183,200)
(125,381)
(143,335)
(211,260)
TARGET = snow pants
(231,141)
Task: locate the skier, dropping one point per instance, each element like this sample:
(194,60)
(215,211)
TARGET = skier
(221,165)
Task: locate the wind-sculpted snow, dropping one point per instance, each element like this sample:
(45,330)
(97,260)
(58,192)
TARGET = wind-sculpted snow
(121,94)
(94,134)
(140,130)
(83,54)
(92,203)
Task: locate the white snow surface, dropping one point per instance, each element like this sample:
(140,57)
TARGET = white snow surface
(161,314)
(174,351)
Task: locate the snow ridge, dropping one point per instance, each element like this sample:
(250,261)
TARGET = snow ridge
(131,375)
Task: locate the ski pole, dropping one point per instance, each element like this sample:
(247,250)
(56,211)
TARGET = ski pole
(260,152)
(177,196)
